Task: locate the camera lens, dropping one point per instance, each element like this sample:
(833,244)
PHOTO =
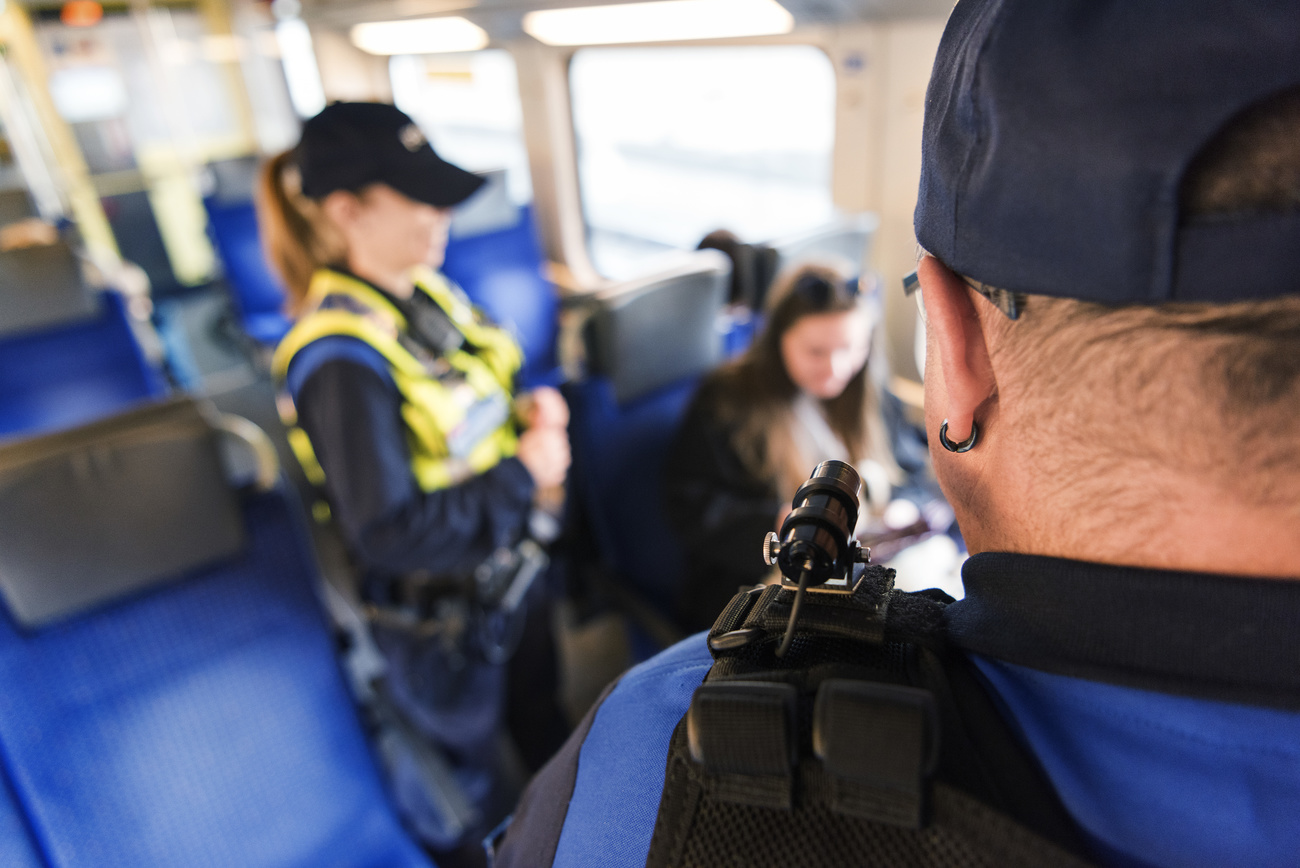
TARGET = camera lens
(815,536)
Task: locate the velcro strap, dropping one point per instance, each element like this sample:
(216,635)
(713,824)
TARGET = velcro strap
(842,616)
(878,742)
(726,633)
(742,734)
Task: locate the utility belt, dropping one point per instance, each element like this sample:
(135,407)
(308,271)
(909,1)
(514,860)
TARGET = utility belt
(440,643)
(479,615)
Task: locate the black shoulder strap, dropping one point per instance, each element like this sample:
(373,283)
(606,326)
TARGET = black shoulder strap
(867,744)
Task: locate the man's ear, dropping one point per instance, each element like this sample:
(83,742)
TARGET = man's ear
(958,334)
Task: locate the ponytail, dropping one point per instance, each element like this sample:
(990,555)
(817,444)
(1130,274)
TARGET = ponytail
(296,236)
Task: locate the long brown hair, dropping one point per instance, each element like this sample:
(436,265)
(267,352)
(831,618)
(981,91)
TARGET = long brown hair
(756,395)
(296,235)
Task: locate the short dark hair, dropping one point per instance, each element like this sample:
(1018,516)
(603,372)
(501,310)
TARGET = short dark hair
(1228,373)
(1252,164)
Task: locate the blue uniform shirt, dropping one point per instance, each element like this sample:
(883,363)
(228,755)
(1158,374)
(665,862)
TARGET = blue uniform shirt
(1204,770)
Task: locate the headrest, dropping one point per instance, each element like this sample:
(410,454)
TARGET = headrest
(843,243)
(94,513)
(650,332)
(233,181)
(752,267)
(41,287)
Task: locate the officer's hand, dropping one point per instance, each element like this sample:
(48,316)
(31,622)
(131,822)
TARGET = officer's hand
(545,453)
(544,407)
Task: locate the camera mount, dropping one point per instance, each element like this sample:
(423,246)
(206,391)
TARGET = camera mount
(815,548)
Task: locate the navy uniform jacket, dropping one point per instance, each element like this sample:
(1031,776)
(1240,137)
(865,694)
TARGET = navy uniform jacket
(349,406)
(351,409)
(1203,771)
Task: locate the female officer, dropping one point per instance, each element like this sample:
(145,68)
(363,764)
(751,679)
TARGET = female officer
(801,394)
(402,413)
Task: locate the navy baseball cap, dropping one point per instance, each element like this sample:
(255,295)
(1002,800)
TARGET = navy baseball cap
(1057,134)
(352,144)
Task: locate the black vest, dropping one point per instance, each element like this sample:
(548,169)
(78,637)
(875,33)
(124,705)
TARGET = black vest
(868,743)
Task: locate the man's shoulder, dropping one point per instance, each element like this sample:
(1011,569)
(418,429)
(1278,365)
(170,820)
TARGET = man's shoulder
(668,666)
(597,800)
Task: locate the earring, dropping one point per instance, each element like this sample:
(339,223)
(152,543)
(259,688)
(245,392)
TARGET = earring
(964,446)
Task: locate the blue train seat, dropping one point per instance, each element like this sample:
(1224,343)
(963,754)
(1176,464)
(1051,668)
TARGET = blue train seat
(69,374)
(493,254)
(169,693)
(17,847)
(738,326)
(648,341)
(257,293)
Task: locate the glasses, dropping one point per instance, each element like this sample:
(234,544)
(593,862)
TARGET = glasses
(1010,303)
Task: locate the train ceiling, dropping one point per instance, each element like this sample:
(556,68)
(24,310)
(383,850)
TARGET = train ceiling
(502,18)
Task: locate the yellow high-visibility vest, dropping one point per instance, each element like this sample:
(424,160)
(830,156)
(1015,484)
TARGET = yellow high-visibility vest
(458,408)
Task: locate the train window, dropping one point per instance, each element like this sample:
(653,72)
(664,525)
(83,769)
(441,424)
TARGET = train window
(146,94)
(469,105)
(152,75)
(674,143)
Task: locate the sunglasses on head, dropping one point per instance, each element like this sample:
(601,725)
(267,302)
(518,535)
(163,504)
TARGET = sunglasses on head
(819,290)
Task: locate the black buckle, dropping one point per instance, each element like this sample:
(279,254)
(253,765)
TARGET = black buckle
(879,743)
(727,633)
(742,734)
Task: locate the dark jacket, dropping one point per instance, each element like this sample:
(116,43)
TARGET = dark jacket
(352,411)
(349,406)
(1161,705)
(721,510)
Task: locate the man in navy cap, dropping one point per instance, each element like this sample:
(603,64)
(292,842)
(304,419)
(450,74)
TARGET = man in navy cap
(1110,213)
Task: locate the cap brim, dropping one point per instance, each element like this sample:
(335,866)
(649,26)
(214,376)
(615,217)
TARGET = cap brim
(439,183)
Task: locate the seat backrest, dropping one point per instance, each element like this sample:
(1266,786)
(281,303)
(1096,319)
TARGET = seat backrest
(845,242)
(232,181)
(192,713)
(66,376)
(648,342)
(41,287)
(107,495)
(494,255)
(15,205)
(257,293)
(135,227)
(644,334)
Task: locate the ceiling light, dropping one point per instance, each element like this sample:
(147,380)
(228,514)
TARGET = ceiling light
(663,21)
(419,36)
(81,13)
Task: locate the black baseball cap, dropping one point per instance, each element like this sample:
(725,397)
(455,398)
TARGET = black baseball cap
(352,144)
(1057,134)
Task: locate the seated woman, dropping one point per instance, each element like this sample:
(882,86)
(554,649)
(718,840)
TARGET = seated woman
(756,427)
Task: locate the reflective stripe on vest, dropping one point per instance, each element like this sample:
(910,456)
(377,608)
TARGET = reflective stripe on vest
(457,408)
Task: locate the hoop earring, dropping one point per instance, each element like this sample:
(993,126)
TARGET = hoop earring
(964,446)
